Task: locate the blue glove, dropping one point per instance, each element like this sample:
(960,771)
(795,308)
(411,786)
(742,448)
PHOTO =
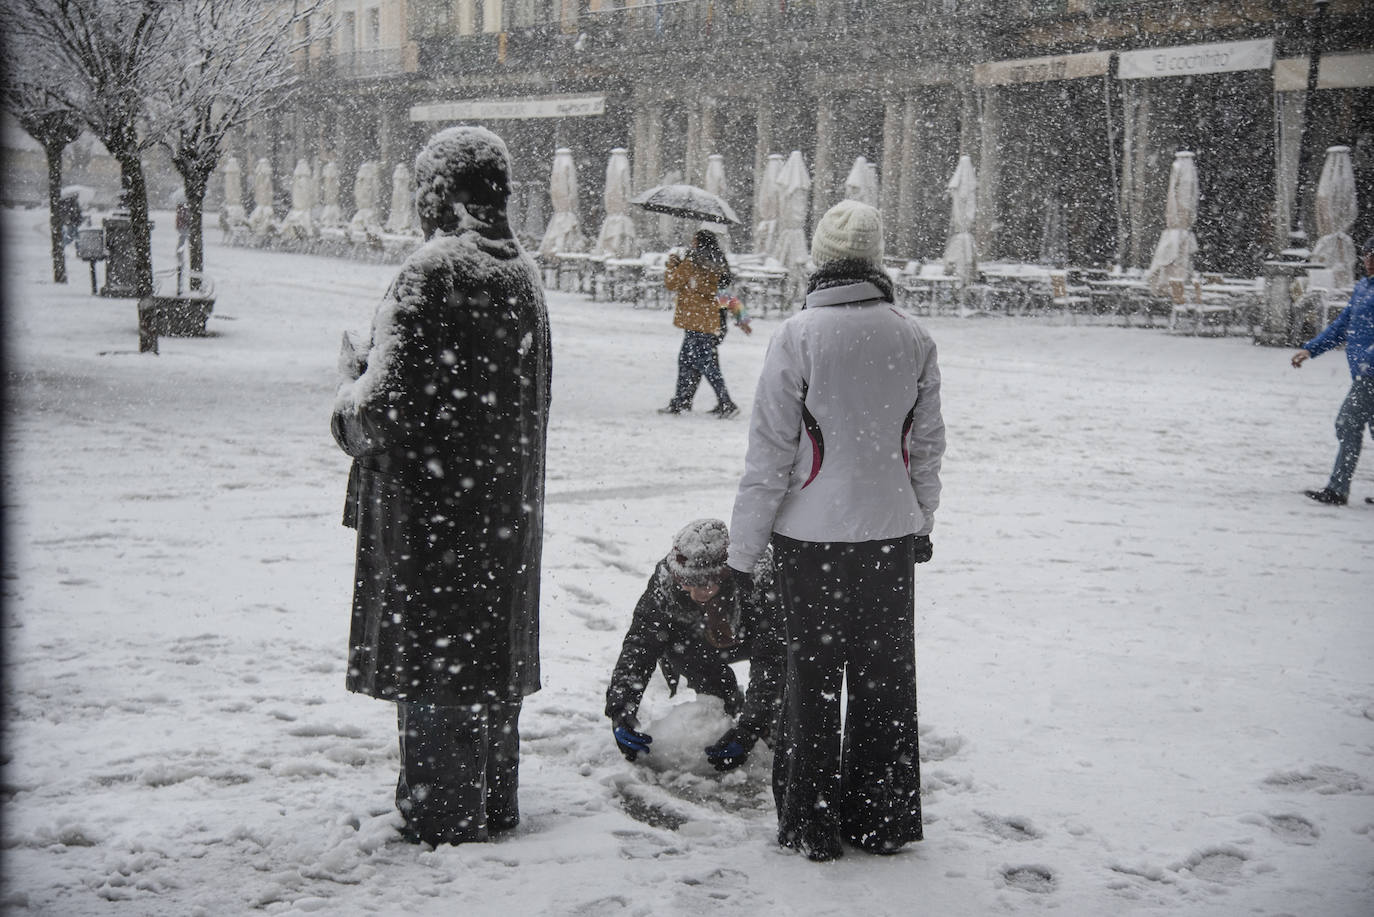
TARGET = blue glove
(631,743)
(731,750)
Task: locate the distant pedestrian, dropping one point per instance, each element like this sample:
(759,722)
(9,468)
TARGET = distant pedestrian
(446,422)
(697,278)
(842,475)
(1353,328)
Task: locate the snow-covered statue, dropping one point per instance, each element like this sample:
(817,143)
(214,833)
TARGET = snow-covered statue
(297,222)
(365,223)
(565,229)
(233,215)
(330,214)
(463,451)
(401,220)
(263,220)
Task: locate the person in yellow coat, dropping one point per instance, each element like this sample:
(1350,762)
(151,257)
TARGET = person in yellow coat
(697,278)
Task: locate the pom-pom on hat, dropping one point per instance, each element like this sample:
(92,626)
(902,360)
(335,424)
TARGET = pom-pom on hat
(698,554)
(849,231)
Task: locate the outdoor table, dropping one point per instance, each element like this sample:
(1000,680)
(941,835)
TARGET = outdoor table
(1124,296)
(620,279)
(574,272)
(760,288)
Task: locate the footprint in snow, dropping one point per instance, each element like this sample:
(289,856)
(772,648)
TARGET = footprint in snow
(1320,778)
(1215,864)
(1292,828)
(1033,878)
(1010,827)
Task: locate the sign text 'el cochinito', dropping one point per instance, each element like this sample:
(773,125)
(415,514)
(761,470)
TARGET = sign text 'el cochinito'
(1191,60)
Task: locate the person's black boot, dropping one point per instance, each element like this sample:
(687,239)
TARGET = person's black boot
(1326,495)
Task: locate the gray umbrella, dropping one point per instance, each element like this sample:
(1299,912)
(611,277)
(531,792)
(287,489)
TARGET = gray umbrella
(688,202)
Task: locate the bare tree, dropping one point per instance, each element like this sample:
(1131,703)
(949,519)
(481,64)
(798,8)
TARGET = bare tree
(54,126)
(100,58)
(234,62)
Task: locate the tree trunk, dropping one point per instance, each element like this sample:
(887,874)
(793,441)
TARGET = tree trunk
(59,249)
(196,186)
(131,170)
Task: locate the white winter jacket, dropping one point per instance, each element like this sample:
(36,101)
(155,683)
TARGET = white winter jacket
(846,437)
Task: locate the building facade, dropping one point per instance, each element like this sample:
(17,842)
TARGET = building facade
(1070,109)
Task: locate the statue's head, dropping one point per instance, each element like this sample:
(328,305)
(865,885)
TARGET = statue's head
(461,170)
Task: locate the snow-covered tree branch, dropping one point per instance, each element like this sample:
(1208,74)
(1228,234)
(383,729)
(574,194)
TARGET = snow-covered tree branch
(99,58)
(235,60)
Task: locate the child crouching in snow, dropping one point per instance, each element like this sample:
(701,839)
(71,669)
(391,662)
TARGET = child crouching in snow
(694,619)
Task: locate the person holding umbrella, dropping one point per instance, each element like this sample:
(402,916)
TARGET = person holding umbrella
(696,278)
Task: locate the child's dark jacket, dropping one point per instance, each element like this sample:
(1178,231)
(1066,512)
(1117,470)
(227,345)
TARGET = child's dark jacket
(669,630)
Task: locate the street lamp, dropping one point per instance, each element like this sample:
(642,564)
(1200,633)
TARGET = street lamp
(1297,235)
(1280,322)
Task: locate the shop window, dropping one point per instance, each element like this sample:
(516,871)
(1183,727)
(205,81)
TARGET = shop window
(430,18)
(372,35)
(348,33)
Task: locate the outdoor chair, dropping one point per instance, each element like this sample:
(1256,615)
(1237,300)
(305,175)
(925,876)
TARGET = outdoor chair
(1200,313)
(1069,300)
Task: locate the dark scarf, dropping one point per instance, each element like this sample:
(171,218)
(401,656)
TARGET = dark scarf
(841,273)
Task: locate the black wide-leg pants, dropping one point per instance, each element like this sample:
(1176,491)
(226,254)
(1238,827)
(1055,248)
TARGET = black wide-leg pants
(849,611)
(459,770)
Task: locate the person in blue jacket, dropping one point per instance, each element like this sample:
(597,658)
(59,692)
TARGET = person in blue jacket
(1353,328)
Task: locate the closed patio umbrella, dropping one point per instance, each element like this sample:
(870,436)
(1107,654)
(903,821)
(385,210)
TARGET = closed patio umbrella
(1337,208)
(617,237)
(716,183)
(961,252)
(1173,258)
(862,183)
(791,248)
(767,202)
(564,233)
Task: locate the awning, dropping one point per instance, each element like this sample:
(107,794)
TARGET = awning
(551,106)
(1334,71)
(1041,69)
(1191,60)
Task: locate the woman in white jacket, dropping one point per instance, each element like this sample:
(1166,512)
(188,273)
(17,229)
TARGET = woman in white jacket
(842,476)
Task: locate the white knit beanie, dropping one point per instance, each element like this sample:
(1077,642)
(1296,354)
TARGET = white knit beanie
(849,231)
(698,554)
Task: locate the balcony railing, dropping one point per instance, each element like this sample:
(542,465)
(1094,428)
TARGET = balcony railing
(369,64)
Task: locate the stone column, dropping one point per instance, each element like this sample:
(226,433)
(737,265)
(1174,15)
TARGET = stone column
(763,120)
(989,169)
(891,170)
(1134,163)
(905,236)
(822,181)
(692,155)
(386,152)
(639,144)
(706,142)
(653,146)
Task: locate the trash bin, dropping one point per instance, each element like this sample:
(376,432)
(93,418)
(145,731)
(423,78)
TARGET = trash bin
(121,266)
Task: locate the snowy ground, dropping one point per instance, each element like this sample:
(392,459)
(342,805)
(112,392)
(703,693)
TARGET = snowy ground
(1145,658)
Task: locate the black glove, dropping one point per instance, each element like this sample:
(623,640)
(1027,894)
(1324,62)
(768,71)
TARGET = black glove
(731,749)
(744,582)
(923,548)
(630,741)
